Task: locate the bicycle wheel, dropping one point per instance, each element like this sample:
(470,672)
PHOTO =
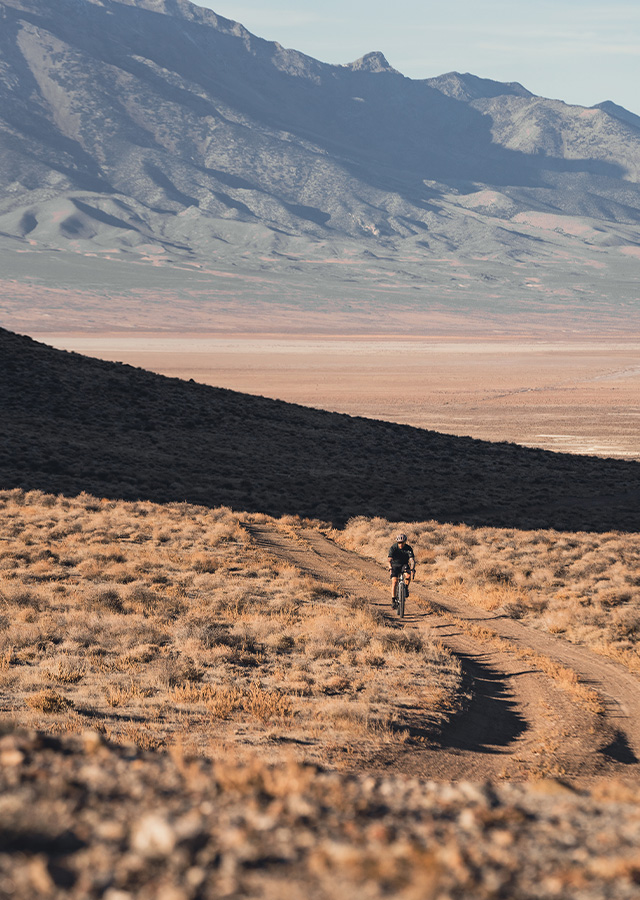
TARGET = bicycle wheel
(402,596)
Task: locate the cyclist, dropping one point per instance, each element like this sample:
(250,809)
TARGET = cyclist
(400,555)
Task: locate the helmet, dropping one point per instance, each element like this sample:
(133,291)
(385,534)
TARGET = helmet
(400,538)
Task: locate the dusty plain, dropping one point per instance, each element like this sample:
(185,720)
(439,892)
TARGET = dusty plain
(572,396)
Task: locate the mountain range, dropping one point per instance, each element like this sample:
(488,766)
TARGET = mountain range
(154,138)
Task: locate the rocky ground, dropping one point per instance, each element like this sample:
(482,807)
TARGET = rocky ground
(81,819)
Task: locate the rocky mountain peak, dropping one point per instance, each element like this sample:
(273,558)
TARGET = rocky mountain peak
(375,61)
(619,112)
(469,87)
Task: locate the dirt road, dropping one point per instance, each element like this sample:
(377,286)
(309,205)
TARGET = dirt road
(523,715)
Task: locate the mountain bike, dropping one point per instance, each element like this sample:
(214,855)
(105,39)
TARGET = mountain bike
(401,591)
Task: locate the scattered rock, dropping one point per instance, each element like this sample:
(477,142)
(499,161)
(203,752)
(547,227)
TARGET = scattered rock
(154,827)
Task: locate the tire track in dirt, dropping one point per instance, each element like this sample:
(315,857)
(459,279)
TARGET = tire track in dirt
(518,721)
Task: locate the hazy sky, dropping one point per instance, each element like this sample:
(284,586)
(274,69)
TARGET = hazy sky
(580,51)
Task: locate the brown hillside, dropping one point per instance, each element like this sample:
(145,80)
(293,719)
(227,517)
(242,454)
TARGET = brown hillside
(69,423)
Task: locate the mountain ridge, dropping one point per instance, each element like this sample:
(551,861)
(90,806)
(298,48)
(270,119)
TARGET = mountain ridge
(138,128)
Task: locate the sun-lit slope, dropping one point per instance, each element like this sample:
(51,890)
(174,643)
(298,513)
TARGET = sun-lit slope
(151,118)
(155,109)
(71,423)
(161,135)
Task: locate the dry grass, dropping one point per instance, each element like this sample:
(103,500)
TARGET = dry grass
(49,702)
(583,586)
(160,624)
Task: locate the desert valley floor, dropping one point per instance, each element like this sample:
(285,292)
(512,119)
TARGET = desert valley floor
(570,395)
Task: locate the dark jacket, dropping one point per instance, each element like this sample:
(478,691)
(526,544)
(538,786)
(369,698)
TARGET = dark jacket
(400,556)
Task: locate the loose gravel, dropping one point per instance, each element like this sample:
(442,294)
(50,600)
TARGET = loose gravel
(81,818)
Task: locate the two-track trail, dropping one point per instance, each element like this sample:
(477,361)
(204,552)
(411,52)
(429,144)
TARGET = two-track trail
(522,715)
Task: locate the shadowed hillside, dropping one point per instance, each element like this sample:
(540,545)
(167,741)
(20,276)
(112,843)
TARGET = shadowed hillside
(70,423)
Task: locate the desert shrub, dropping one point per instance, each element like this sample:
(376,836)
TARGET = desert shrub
(405,641)
(612,598)
(267,704)
(20,595)
(280,643)
(141,598)
(496,575)
(173,672)
(67,671)
(222,700)
(49,702)
(106,600)
(626,622)
(221,635)
(335,684)
(205,563)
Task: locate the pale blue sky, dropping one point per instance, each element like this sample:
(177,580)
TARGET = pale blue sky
(580,51)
